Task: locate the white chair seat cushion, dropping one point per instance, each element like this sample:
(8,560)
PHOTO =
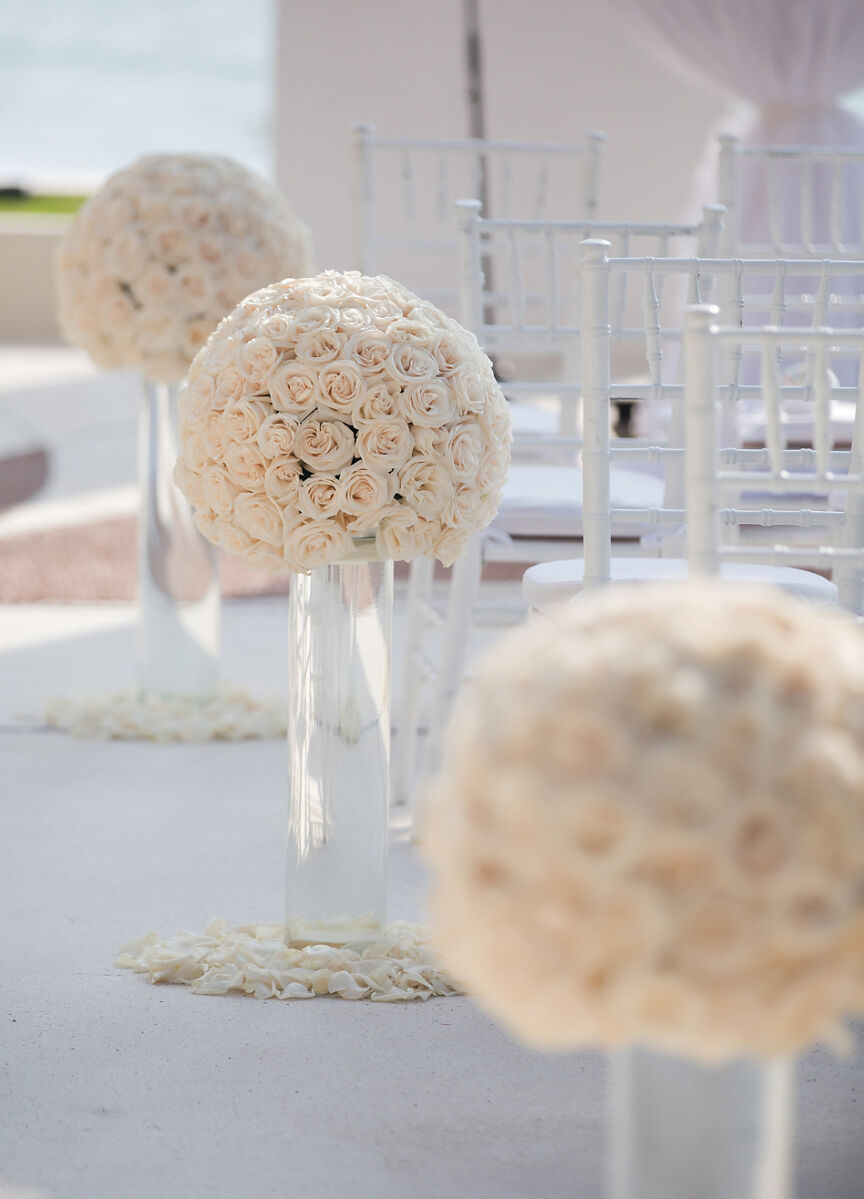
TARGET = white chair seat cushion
(546,500)
(551,583)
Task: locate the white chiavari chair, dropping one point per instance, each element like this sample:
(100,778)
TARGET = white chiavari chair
(791,201)
(406,188)
(548,583)
(733,488)
(530,305)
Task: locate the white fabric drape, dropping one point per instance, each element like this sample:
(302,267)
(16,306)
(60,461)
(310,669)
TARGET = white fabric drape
(791,59)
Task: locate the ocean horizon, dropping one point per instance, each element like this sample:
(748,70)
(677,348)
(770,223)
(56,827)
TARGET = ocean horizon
(86,88)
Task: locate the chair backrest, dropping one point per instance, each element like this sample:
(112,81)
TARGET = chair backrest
(729,488)
(660,386)
(519,278)
(793,201)
(519,283)
(405,190)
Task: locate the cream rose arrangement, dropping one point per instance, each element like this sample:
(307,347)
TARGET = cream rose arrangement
(650,824)
(166,248)
(338,408)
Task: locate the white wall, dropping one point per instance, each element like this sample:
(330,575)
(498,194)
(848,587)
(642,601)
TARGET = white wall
(552,68)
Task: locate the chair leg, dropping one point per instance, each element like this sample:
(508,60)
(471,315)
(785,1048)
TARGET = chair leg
(464,586)
(408,711)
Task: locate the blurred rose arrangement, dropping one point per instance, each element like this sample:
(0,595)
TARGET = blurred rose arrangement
(337,408)
(664,846)
(165,249)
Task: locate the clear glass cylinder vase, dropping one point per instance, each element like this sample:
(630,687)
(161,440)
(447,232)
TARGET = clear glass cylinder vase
(178,580)
(340,627)
(681,1130)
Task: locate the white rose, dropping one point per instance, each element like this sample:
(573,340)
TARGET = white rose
(260,517)
(193,288)
(364,492)
(230,384)
(383,311)
(170,244)
(319,496)
(197,214)
(243,418)
(276,435)
(465,450)
(116,314)
(404,329)
(369,348)
(426,486)
(407,362)
(318,316)
(385,445)
(326,289)
(462,510)
(196,400)
(451,545)
(232,538)
(211,249)
(427,402)
(216,437)
(473,390)
(350,320)
(222,351)
(153,330)
(379,401)
(219,492)
(245,465)
(280,330)
(324,444)
(155,286)
(207,525)
(194,452)
(191,484)
(449,350)
(259,357)
(341,385)
(316,542)
(322,345)
(125,255)
(282,481)
(294,388)
(195,335)
(431,443)
(493,468)
(153,207)
(401,534)
(234,220)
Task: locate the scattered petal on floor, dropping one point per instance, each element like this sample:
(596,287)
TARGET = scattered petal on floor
(253,959)
(230,715)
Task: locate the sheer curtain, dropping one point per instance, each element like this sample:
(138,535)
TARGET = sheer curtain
(791,59)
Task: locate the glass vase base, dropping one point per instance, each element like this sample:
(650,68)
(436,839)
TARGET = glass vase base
(347,933)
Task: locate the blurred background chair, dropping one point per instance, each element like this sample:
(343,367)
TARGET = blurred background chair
(406,188)
(728,490)
(791,201)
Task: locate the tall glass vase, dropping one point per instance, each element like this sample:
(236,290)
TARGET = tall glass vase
(178,582)
(680,1130)
(340,625)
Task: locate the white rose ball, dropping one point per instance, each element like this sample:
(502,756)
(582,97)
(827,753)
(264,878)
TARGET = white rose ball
(169,245)
(330,410)
(649,827)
